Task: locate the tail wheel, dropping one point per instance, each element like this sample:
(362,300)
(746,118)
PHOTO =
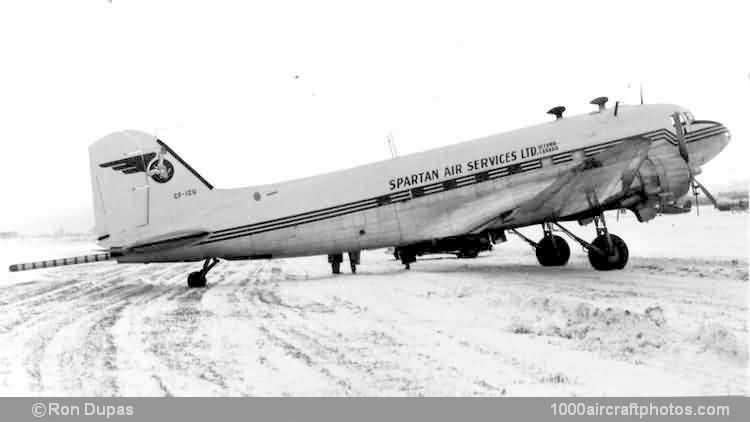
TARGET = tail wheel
(617,256)
(552,251)
(196,279)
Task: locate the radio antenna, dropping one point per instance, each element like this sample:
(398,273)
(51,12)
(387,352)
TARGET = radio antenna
(392,145)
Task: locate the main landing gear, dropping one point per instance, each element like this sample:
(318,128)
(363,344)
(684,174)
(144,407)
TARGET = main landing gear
(606,252)
(198,278)
(551,250)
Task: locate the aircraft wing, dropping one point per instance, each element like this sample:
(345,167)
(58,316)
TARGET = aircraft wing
(594,181)
(597,179)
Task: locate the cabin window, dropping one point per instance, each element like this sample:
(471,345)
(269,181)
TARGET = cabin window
(384,200)
(449,184)
(482,177)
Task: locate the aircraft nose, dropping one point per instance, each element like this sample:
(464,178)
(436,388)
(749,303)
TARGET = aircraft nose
(727,136)
(721,137)
(712,137)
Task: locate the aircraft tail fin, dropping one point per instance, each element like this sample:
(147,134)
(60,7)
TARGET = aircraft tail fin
(139,183)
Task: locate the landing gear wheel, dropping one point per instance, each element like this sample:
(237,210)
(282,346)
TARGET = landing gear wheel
(552,251)
(353,267)
(617,257)
(336,267)
(196,279)
(468,253)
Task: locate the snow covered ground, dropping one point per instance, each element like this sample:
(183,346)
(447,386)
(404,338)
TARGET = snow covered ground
(674,322)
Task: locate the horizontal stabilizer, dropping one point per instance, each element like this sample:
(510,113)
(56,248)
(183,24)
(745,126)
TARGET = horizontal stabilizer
(38,265)
(166,241)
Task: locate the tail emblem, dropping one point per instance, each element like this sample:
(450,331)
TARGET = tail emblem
(158,167)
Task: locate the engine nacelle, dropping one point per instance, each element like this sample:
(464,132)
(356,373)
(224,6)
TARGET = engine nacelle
(659,181)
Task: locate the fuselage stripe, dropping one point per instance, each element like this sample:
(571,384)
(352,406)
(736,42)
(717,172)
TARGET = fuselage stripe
(434,188)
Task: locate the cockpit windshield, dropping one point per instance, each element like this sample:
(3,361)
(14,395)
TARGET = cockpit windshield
(685,119)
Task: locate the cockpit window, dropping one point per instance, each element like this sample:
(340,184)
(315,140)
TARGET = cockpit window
(685,119)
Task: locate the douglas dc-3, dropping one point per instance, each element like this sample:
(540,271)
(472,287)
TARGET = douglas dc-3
(151,206)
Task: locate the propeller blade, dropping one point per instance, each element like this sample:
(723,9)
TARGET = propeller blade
(681,143)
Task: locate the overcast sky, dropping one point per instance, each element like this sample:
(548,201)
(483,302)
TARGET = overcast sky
(252,93)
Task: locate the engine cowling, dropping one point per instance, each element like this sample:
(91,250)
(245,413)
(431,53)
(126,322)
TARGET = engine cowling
(660,181)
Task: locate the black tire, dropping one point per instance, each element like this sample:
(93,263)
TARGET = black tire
(616,260)
(336,267)
(552,254)
(353,267)
(196,279)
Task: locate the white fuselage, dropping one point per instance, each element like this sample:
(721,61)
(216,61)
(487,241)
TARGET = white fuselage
(434,194)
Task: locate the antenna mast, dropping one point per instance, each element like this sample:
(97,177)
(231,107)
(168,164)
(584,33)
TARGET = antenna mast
(392,145)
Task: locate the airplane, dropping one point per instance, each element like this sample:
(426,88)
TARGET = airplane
(151,206)
(732,204)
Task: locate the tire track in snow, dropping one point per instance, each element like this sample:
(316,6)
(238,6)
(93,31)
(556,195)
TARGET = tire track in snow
(442,329)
